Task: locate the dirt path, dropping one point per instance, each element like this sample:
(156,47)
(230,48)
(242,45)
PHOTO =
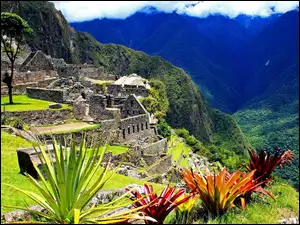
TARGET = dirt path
(60,128)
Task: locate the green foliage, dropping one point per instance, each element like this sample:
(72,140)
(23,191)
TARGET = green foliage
(13,26)
(181,132)
(157,102)
(12,121)
(224,156)
(193,142)
(164,129)
(274,122)
(228,134)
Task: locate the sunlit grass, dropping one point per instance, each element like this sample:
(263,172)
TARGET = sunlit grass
(178,148)
(10,173)
(24,103)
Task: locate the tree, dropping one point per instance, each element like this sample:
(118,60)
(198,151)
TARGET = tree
(13,30)
(164,129)
(157,102)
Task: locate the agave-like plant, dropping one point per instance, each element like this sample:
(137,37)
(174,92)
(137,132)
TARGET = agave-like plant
(70,180)
(219,191)
(264,163)
(157,207)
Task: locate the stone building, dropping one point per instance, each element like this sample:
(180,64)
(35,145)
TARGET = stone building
(37,61)
(132,84)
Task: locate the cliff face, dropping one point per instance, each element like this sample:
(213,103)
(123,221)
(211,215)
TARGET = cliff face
(54,36)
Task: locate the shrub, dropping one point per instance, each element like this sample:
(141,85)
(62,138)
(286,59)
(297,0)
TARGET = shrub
(191,141)
(158,207)
(18,123)
(184,133)
(164,129)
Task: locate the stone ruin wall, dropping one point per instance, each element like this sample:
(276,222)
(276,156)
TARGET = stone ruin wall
(132,107)
(68,71)
(81,71)
(37,61)
(136,128)
(33,76)
(99,108)
(52,95)
(137,90)
(39,117)
(119,90)
(156,148)
(22,80)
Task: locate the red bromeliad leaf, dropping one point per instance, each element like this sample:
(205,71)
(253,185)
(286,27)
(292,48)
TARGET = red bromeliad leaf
(265,164)
(161,206)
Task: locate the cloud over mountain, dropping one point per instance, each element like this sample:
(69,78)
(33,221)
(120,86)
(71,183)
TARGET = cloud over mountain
(76,11)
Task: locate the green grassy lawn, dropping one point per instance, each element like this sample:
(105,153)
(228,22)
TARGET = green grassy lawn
(10,173)
(179,147)
(23,103)
(116,150)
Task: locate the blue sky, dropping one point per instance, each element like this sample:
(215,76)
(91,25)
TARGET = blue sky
(76,11)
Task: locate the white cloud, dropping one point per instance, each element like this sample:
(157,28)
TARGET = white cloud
(88,10)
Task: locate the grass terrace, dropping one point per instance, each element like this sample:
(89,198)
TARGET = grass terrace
(10,173)
(178,147)
(24,103)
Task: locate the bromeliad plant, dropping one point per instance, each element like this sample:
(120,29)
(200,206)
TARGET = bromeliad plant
(74,177)
(219,191)
(183,211)
(264,163)
(158,207)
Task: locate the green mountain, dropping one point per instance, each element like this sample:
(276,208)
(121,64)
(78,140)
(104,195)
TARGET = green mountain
(273,120)
(188,109)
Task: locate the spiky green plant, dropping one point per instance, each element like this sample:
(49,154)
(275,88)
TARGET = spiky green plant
(73,178)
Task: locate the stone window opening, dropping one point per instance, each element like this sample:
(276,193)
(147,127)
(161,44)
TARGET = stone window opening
(133,129)
(146,125)
(131,103)
(128,130)
(142,126)
(123,133)
(138,128)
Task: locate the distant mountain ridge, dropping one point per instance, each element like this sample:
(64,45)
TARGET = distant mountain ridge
(216,50)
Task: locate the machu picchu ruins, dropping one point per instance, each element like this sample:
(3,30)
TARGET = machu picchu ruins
(112,101)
